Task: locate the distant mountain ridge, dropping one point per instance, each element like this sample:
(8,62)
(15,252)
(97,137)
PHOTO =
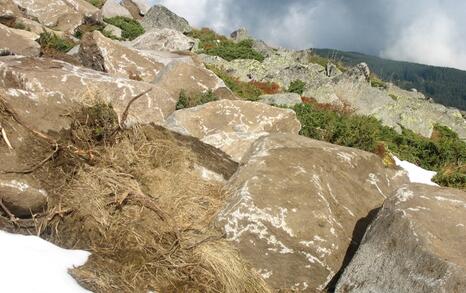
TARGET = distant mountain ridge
(446,86)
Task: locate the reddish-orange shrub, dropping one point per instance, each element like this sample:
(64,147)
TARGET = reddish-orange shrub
(345,109)
(269,88)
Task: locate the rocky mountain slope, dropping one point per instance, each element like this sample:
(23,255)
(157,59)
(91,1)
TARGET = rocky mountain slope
(186,161)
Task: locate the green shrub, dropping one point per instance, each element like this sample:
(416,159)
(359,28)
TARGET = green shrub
(297,87)
(131,28)
(188,101)
(214,44)
(377,82)
(48,41)
(244,90)
(97,3)
(445,152)
(21,26)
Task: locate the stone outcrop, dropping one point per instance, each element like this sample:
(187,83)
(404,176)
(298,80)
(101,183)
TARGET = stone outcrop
(192,79)
(57,81)
(415,244)
(142,5)
(61,15)
(163,40)
(113,8)
(240,34)
(18,42)
(103,54)
(283,99)
(392,105)
(159,17)
(233,126)
(22,197)
(297,204)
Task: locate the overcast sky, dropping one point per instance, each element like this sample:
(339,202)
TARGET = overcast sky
(424,31)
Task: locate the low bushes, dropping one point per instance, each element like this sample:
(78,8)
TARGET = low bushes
(297,87)
(214,44)
(244,90)
(445,152)
(97,3)
(50,41)
(131,28)
(188,101)
(269,88)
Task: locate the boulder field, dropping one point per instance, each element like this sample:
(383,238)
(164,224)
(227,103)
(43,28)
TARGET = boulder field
(224,196)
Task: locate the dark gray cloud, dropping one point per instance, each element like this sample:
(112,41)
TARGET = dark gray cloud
(425,31)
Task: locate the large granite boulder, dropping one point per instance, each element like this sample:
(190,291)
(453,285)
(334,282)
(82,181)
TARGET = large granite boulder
(142,5)
(164,40)
(159,17)
(56,81)
(297,204)
(415,244)
(114,8)
(103,54)
(18,42)
(192,79)
(61,15)
(282,99)
(233,126)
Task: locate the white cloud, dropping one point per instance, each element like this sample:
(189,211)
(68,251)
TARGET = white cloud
(424,31)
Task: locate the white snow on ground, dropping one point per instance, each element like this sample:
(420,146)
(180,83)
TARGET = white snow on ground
(30,264)
(415,173)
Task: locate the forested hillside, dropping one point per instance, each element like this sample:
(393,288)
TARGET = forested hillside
(446,86)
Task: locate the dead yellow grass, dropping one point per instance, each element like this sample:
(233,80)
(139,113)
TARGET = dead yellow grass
(139,206)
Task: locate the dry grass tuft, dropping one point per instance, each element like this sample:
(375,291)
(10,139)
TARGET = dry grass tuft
(139,206)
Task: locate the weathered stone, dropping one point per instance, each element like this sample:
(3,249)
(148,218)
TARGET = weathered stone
(113,8)
(22,197)
(240,34)
(113,30)
(192,79)
(8,12)
(159,17)
(163,40)
(60,81)
(62,15)
(296,206)
(283,99)
(415,244)
(233,126)
(19,42)
(103,54)
(137,8)
(37,28)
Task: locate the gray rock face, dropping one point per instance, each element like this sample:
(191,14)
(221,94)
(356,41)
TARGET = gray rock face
(19,42)
(113,8)
(233,126)
(159,17)
(284,99)
(163,40)
(295,204)
(240,34)
(416,244)
(21,197)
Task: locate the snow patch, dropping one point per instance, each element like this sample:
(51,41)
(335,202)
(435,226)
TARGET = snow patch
(415,173)
(31,264)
